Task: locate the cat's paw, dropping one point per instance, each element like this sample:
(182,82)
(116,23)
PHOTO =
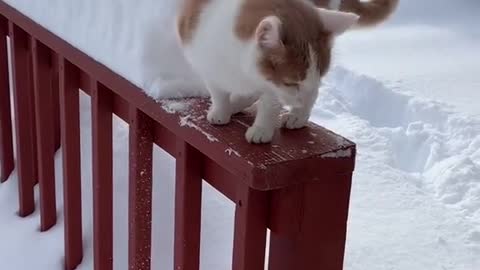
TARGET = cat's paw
(259,134)
(218,117)
(292,120)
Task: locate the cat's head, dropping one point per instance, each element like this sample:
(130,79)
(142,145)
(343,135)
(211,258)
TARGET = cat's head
(293,49)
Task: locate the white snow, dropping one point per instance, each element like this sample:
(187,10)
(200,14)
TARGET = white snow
(174,106)
(406,93)
(415,200)
(133,38)
(231,151)
(338,154)
(429,47)
(187,121)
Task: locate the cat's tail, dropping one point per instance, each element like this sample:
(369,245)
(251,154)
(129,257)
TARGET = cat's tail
(371,12)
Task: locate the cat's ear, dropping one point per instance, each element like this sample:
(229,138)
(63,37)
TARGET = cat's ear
(337,22)
(268,32)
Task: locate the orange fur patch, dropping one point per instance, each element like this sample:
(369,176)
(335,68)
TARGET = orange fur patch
(371,12)
(188,18)
(301,30)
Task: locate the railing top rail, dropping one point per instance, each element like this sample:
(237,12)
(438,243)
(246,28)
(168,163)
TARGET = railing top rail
(293,157)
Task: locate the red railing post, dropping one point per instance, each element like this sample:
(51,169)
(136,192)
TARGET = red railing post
(140,190)
(250,229)
(309,225)
(6,140)
(23,97)
(56,100)
(29,77)
(70,133)
(102,165)
(188,204)
(44,114)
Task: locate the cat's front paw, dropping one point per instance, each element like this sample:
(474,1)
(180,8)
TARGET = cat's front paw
(259,134)
(292,120)
(218,117)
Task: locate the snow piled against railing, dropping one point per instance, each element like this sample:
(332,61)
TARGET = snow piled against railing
(133,38)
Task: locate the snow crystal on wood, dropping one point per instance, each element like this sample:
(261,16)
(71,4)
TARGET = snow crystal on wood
(338,154)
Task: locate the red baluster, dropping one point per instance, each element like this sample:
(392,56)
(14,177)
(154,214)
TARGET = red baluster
(6,140)
(56,99)
(23,97)
(102,177)
(188,202)
(140,191)
(250,229)
(44,115)
(70,133)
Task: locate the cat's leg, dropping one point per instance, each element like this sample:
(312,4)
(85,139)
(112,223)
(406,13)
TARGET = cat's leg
(220,111)
(297,117)
(263,128)
(241,102)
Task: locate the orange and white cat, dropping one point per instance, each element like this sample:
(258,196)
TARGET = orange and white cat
(273,52)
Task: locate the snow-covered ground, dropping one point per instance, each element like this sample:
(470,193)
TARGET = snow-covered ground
(429,47)
(405,92)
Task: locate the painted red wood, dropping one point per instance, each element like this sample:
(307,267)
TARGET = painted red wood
(22,96)
(32,110)
(70,133)
(310,151)
(165,139)
(221,179)
(45,143)
(250,230)
(56,102)
(188,202)
(102,165)
(140,190)
(6,140)
(309,225)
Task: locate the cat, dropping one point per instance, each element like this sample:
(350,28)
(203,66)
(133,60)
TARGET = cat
(272,52)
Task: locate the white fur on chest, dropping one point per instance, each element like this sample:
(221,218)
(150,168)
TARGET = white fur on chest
(216,53)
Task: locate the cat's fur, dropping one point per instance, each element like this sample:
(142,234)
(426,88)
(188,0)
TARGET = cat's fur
(371,12)
(271,51)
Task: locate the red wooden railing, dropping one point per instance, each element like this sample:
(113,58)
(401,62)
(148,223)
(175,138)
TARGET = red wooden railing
(298,186)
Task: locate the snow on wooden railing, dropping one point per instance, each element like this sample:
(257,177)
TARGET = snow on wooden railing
(298,186)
